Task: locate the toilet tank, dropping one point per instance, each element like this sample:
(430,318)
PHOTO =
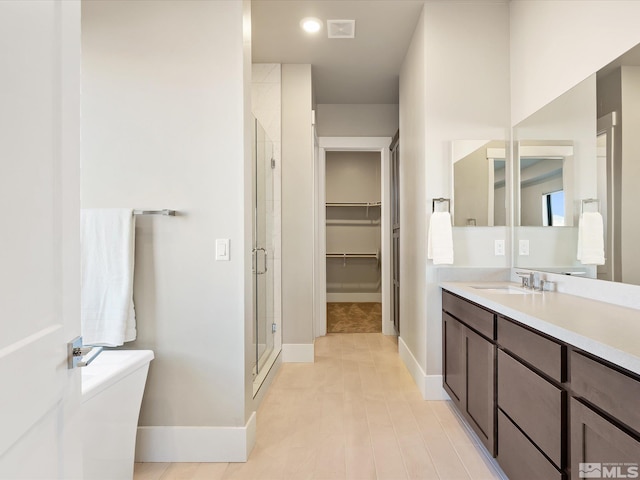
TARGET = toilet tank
(112,388)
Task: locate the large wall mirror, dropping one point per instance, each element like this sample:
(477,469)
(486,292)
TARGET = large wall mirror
(594,168)
(479,186)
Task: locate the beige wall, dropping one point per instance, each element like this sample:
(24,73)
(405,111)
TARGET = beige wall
(579,37)
(454,84)
(164,116)
(352,176)
(297,206)
(357,120)
(413,201)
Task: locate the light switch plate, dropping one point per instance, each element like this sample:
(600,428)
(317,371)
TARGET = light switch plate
(222,249)
(499,248)
(523,247)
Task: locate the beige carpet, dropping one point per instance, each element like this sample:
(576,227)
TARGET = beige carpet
(354,317)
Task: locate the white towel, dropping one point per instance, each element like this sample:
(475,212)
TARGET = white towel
(107,255)
(440,239)
(591,239)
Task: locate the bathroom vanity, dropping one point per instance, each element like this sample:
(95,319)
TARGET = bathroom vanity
(548,381)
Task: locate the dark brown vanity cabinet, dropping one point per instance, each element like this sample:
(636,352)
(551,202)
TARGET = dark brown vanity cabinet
(469,364)
(542,407)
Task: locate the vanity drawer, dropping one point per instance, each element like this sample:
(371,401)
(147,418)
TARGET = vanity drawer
(542,353)
(517,456)
(612,391)
(533,403)
(474,316)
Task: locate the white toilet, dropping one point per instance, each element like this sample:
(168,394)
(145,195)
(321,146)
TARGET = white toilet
(112,388)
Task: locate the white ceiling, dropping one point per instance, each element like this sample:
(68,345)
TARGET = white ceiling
(361,70)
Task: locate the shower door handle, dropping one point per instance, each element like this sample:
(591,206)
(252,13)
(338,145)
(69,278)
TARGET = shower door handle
(265,261)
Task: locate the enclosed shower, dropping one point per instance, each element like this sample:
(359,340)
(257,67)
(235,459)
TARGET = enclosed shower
(267,337)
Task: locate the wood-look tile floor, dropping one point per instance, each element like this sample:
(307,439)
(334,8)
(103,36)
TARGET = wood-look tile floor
(354,414)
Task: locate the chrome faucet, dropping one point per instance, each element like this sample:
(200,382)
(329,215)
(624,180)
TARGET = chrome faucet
(527,279)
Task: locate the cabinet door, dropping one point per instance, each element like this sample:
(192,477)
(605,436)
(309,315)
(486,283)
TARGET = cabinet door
(479,359)
(599,449)
(518,457)
(453,365)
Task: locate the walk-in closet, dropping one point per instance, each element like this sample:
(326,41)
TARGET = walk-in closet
(353,242)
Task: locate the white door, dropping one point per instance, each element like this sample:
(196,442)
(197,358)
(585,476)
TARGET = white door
(39,238)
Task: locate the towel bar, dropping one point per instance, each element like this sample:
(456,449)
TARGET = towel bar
(165,212)
(589,200)
(440,200)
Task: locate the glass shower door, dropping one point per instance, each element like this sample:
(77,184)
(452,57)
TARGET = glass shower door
(263,250)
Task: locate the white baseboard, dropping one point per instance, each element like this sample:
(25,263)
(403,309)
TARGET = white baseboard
(196,444)
(430,386)
(434,389)
(297,353)
(361,297)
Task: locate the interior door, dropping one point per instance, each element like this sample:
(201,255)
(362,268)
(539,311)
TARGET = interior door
(39,240)
(395,232)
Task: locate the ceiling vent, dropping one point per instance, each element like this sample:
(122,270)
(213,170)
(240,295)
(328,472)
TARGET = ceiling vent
(341,28)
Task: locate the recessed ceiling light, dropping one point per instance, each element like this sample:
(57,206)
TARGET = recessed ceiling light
(311,24)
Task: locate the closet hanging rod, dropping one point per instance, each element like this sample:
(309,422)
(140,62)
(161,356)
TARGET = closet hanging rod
(352,255)
(165,212)
(353,204)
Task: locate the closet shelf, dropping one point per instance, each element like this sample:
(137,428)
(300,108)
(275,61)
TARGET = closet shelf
(345,256)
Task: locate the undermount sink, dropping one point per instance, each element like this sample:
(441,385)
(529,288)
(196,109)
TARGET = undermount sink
(507,290)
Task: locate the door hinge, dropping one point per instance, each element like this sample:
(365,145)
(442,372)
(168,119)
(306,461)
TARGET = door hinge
(274,328)
(273,163)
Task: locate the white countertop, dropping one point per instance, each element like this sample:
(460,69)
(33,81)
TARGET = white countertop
(608,331)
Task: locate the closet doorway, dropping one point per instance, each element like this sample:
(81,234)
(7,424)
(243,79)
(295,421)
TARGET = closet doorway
(353,241)
(353,269)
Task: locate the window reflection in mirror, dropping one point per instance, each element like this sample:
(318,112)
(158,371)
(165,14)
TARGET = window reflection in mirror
(479,186)
(553,211)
